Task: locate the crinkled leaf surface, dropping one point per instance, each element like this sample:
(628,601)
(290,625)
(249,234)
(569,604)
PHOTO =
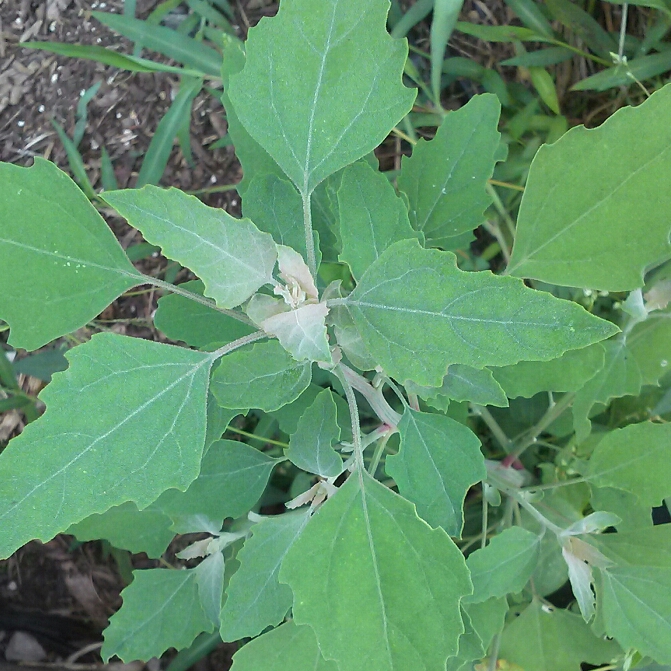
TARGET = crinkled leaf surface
(128,528)
(138,428)
(160,610)
(373,216)
(255,597)
(380,588)
(231,480)
(262,376)
(302,331)
(417,313)
(194,323)
(445,178)
(341,90)
(545,639)
(438,462)
(61,264)
(462,383)
(231,256)
(636,459)
(619,376)
(311,446)
(569,372)
(590,192)
(288,648)
(505,565)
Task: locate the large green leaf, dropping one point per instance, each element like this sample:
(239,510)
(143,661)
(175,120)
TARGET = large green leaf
(619,376)
(161,609)
(569,372)
(417,313)
(263,376)
(287,648)
(127,527)
(445,178)
(549,639)
(583,193)
(438,462)
(650,345)
(627,506)
(636,604)
(231,480)
(462,383)
(231,256)
(505,565)
(373,216)
(194,323)
(378,586)
(125,422)
(311,445)
(340,92)
(636,459)
(255,597)
(61,263)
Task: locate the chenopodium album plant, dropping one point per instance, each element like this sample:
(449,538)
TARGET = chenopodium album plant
(335,314)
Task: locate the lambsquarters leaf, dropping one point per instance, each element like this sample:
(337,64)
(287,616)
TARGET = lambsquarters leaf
(373,216)
(594,192)
(417,313)
(125,422)
(636,459)
(194,323)
(127,527)
(231,480)
(231,256)
(340,92)
(445,178)
(255,597)
(438,462)
(288,648)
(161,609)
(263,376)
(311,446)
(548,639)
(505,565)
(61,264)
(380,588)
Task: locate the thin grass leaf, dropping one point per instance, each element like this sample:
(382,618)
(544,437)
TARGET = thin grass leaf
(81,114)
(583,25)
(498,33)
(531,15)
(445,15)
(412,17)
(108,57)
(160,146)
(129,7)
(545,87)
(75,161)
(13,403)
(168,42)
(107,176)
(209,13)
(639,69)
(541,58)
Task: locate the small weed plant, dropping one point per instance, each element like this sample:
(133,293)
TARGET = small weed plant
(452,447)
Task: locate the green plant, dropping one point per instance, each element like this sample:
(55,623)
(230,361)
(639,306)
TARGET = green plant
(341,286)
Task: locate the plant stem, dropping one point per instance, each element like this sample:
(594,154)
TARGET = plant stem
(374,396)
(195,297)
(379,451)
(485,515)
(493,426)
(309,237)
(354,416)
(236,344)
(263,440)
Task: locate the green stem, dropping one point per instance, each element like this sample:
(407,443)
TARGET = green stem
(259,438)
(354,416)
(195,297)
(379,451)
(240,342)
(493,426)
(374,396)
(309,236)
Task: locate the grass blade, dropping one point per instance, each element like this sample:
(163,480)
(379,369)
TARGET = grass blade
(107,176)
(75,161)
(81,114)
(412,17)
(531,16)
(445,15)
(161,144)
(168,42)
